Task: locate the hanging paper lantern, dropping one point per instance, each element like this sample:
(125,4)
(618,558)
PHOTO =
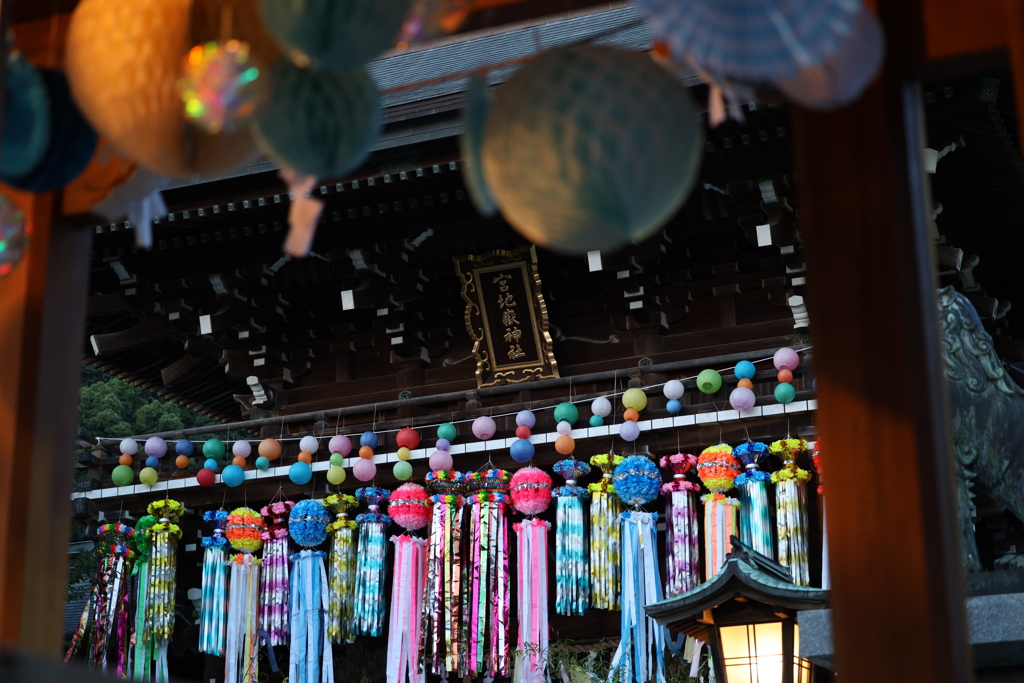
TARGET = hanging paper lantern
(241,449)
(213,448)
(596,421)
(182,461)
(601,406)
(125,460)
(122,475)
(184,447)
(673,389)
(307,523)
(637,480)
(566,412)
(567,137)
(409,506)
(309,444)
(233,475)
(238,461)
(785,393)
(403,453)
(336,475)
(630,415)
(262,464)
(156,447)
(744,370)
(334,34)
(365,452)
(785,376)
(474,115)
(563,428)
(526,418)
(786,359)
(305,457)
(709,381)
(369,439)
(364,470)
(530,489)
(221,85)
(269,449)
(745,383)
(319,123)
(448,432)
(128,88)
(634,399)
(717,467)
(211,464)
(152,462)
(407,438)
(300,473)
(522,432)
(440,460)
(484,427)
(130,446)
(402,470)
(564,445)
(27,115)
(742,399)
(206,477)
(148,476)
(340,444)
(521,450)
(674,407)
(629,431)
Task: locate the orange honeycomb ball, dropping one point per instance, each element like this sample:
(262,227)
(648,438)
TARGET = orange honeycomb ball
(238,460)
(125,459)
(366,453)
(745,383)
(305,457)
(565,444)
(785,375)
(630,415)
(181,461)
(270,449)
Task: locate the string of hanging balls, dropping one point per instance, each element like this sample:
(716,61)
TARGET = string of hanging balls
(566,414)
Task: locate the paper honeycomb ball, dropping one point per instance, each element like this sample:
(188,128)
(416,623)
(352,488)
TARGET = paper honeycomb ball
(129,446)
(522,450)
(526,418)
(269,449)
(369,439)
(364,470)
(206,477)
(744,370)
(300,473)
(530,489)
(122,475)
(336,475)
(403,453)
(262,464)
(742,399)
(440,460)
(156,447)
(148,476)
(334,34)
(307,523)
(484,427)
(567,412)
(601,407)
(214,448)
(402,470)
(407,438)
(717,467)
(629,431)
(786,359)
(241,449)
(184,447)
(319,123)
(125,460)
(244,530)
(635,399)
(709,381)
(564,445)
(409,506)
(785,393)
(637,480)
(233,476)
(591,147)
(447,431)
(340,444)
(309,444)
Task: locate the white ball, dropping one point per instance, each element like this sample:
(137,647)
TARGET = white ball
(673,389)
(129,447)
(309,444)
(601,406)
(563,428)
(241,449)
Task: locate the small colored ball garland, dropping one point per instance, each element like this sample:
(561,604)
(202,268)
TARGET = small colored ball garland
(633,400)
(244,530)
(637,480)
(522,448)
(786,360)
(530,489)
(441,459)
(365,469)
(409,506)
(601,408)
(742,398)
(307,523)
(717,467)
(220,85)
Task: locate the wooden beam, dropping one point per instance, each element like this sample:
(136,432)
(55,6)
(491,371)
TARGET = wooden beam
(898,598)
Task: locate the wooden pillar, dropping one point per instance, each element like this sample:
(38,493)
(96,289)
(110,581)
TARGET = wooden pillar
(42,320)
(898,598)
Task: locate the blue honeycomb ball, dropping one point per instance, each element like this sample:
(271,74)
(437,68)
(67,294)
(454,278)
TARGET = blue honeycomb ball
(637,480)
(319,123)
(674,407)
(300,473)
(521,450)
(307,523)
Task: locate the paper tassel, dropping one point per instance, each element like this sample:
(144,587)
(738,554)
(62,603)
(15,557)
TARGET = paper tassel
(444,626)
(640,656)
(791,509)
(274,573)
(572,557)
(682,542)
(103,626)
(242,641)
(163,538)
(720,524)
(371,565)
(214,614)
(532,652)
(310,660)
(341,569)
(404,642)
(605,508)
(489,581)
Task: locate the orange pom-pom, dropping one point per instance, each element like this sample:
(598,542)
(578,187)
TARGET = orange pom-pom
(745,383)
(238,460)
(125,459)
(631,415)
(305,457)
(785,375)
(565,444)
(366,453)
(181,461)
(270,449)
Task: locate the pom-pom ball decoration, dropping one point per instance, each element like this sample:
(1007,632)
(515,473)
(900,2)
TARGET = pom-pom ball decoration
(244,530)
(148,476)
(122,475)
(785,393)
(262,464)
(565,445)
(629,431)
(717,467)
(214,448)
(334,34)
(448,432)
(409,506)
(309,444)
(742,399)
(522,450)
(182,462)
(307,523)
(634,399)
(152,462)
(206,477)
(407,438)
(567,137)
(786,358)
(440,460)
(526,418)
(269,449)
(336,475)
(233,476)
(364,470)
(530,489)
(131,447)
(211,464)
(184,447)
(300,473)
(221,86)
(637,480)
(709,381)
(567,412)
(341,445)
(320,124)
(402,470)
(125,460)
(484,427)
(241,449)
(156,447)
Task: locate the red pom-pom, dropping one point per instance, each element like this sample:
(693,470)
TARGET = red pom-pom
(522,432)
(206,477)
(410,507)
(408,437)
(531,490)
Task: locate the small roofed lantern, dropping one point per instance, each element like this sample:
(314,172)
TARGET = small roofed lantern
(747,615)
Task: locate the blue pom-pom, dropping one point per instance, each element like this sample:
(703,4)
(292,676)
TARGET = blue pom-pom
(744,370)
(521,450)
(751,453)
(184,447)
(369,439)
(233,475)
(211,464)
(307,523)
(674,407)
(153,462)
(300,473)
(637,480)
(751,475)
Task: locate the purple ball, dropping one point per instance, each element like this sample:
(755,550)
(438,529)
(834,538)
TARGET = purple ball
(341,445)
(364,470)
(484,427)
(742,399)
(629,430)
(521,450)
(241,449)
(526,418)
(156,447)
(440,460)
(443,444)
(786,359)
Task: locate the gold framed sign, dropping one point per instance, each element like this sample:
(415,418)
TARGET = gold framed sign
(506,316)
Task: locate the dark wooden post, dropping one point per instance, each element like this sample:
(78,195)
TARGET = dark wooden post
(898,598)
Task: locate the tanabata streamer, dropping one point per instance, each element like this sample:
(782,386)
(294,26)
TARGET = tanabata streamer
(444,625)
(371,564)
(404,629)
(488,567)
(103,627)
(213,618)
(142,653)
(717,467)
(163,539)
(572,565)
(604,536)
(244,530)
(682,540)
(274,573)
(531,654)
(791,509)
(310,657)
(341,569)
(640,656)
(755,513)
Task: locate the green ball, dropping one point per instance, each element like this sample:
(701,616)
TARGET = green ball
(337,459)
(123,475)
(262,463)
(402,470)
(635,399)
(447,431)
(336,474)
(214,448)
(709,381)
(596,421)
(566,412)
(148,476)
(785,393)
